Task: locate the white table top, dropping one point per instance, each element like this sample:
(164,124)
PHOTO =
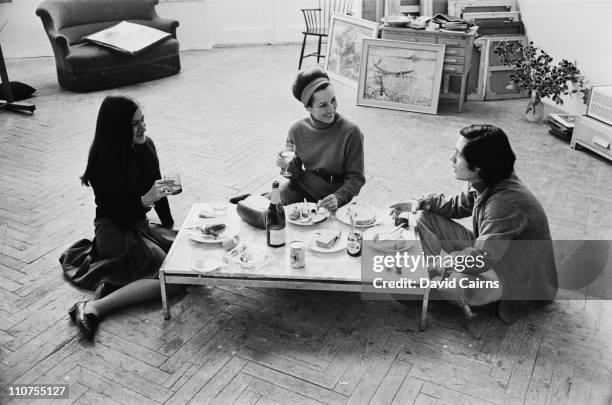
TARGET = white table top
(333,267)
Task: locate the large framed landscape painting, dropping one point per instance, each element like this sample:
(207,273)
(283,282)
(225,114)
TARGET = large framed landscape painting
(343,55)
(400,75)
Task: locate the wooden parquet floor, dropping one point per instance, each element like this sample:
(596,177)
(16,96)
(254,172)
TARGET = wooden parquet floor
(219,122)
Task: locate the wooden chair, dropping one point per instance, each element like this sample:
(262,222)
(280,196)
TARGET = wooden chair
(318,21)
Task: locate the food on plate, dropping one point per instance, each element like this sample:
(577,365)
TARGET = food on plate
(212,230)
(294,214)
(244,257)
(362,215)
(393,240)
(327,239)
(306,213)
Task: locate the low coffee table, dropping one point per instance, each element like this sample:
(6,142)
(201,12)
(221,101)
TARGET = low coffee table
(323,271)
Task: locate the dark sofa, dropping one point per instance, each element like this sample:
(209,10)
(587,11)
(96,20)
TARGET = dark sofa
(82,66)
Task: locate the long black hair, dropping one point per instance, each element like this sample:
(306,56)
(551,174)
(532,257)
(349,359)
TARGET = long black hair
(488,148)
(110,158)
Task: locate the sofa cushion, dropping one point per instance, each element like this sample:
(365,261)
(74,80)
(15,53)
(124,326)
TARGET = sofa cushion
(87,56)
(76,33)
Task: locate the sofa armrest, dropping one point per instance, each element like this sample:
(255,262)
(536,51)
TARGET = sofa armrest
(165,24)
(61,42)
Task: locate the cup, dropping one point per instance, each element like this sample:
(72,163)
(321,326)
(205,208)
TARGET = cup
(220,206)
(297,254)
(176,178)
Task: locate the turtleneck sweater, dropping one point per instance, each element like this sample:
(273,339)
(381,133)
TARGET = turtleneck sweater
(336,148)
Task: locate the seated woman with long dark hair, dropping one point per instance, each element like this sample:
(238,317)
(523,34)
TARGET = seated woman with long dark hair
(328,163)
(122,262)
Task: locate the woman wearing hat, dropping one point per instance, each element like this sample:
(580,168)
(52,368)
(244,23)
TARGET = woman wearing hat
(328,163)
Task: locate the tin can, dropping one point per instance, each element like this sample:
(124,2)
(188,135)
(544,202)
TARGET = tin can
(353,248)
(297,254)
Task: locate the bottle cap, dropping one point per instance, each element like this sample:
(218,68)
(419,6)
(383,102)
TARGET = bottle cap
(275,184)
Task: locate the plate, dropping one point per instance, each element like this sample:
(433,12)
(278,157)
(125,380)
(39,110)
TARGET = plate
(197,236)
(396,21)
(314,219)
(207,267)
(398,246)
(245,258)
(343,216)
(337,247)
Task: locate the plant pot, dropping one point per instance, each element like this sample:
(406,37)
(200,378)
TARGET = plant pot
(534,112)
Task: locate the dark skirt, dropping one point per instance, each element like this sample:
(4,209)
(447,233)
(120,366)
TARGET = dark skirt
(115,257)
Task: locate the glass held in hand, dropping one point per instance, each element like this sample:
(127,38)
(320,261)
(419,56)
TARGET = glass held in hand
(176,178)
(287,155)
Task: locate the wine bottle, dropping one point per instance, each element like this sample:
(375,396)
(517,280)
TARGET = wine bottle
(275,219)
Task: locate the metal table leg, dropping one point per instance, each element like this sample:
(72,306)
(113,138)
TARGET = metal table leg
(164,296)
(423,321)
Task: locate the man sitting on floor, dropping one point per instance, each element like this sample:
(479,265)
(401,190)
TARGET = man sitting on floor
(509,252)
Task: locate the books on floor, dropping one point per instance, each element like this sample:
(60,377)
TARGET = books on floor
(561,124)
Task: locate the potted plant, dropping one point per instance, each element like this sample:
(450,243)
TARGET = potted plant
(535,74)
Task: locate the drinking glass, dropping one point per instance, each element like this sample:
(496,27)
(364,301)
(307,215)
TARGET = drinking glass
(176,178)
(220,206)
(287,154)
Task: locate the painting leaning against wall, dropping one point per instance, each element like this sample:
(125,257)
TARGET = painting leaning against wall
(400,75)
(343,55)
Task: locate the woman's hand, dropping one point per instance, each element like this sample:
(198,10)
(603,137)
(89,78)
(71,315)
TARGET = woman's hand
(330,203)
(403,206)
(159,190)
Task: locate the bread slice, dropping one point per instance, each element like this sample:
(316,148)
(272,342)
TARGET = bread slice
(327,239)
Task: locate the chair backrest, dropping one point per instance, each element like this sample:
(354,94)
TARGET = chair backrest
(319,19)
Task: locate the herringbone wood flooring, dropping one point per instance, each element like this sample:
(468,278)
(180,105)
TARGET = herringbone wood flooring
(220,122)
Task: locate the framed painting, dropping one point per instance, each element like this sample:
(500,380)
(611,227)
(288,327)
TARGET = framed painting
(400,75)
(343,55)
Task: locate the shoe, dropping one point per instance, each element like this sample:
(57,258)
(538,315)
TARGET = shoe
(238,198)
(87,323)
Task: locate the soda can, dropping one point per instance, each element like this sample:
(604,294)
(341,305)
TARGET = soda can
(297,254)
(353,248)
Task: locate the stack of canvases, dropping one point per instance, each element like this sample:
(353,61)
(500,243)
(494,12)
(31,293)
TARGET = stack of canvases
(497,21)
(388,74)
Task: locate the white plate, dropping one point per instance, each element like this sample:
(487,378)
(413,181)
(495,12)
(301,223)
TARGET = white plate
(233,259)
(197,236)
(337,247)
(313,220)
(207,267)
(343,216)
(403,244)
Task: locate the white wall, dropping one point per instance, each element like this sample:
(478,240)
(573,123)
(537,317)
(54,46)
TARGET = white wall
(576,30)
(23,34)
(203,23)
